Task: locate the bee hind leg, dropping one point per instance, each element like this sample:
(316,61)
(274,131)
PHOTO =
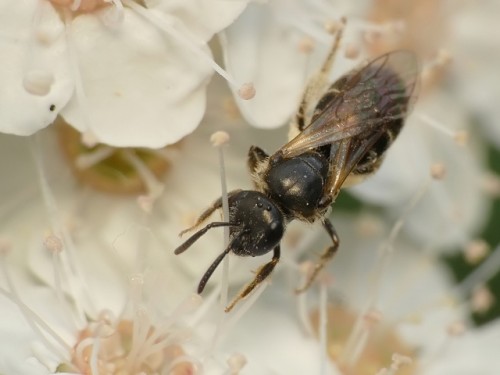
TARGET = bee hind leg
(316,86)
(327,255)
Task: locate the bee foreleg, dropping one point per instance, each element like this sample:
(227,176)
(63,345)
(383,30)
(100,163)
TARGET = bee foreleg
(261,275)
(207,213)
(324,258)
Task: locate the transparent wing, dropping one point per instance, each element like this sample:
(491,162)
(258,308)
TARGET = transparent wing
(379,92)
(345,155)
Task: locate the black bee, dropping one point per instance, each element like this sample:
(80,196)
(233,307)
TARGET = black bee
(341,140)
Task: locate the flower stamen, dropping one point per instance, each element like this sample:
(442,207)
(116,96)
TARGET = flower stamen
(114,170)
(459,136)
(36,323)
(219,139)
(57,226)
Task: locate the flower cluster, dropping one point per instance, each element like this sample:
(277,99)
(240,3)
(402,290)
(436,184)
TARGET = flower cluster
(123,112)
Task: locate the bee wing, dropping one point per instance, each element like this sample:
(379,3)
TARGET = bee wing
(381,91)
(345,155)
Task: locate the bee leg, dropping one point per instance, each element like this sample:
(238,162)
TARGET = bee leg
(325,257)
(255,156)
(261,275)
(209,211)
(316,86)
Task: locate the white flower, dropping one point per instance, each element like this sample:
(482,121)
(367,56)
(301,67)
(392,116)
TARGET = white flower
(124,293)
(117,265)
(120,73)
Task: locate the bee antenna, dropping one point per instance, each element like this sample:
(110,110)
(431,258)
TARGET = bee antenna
(211,269)
(191,240)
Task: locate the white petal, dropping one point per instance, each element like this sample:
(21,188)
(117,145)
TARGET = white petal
(34,74)
(453,208)
(408,290)
(476,58)
(141,88)
(287,349)
(474,353)
(261,50)
(203,18)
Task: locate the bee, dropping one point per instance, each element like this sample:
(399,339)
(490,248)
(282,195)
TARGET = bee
(340,141)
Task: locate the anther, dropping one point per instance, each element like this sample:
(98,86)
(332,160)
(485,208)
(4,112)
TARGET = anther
(190,304)
(482,299)
(461,137)
(89,139)
(456,329)
(476,250)
(53,244)
(368,225)
(438,171)
(146,203)
(106,316)
(246,91)
(38,82)
(372,318)
(491,184)
(219,138)
(431,73)
(306,45)
(236,362)
(333,26)
(399,360)
(352,51)
(443,57)
(5,247)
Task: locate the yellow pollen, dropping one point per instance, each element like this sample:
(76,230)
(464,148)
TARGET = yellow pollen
(382,345)
(105,168)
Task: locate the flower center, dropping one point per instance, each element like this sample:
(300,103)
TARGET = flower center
(110,169)
(105,350)
(383,348)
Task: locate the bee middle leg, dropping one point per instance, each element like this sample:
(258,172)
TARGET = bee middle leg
(261,275)
(327,255)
